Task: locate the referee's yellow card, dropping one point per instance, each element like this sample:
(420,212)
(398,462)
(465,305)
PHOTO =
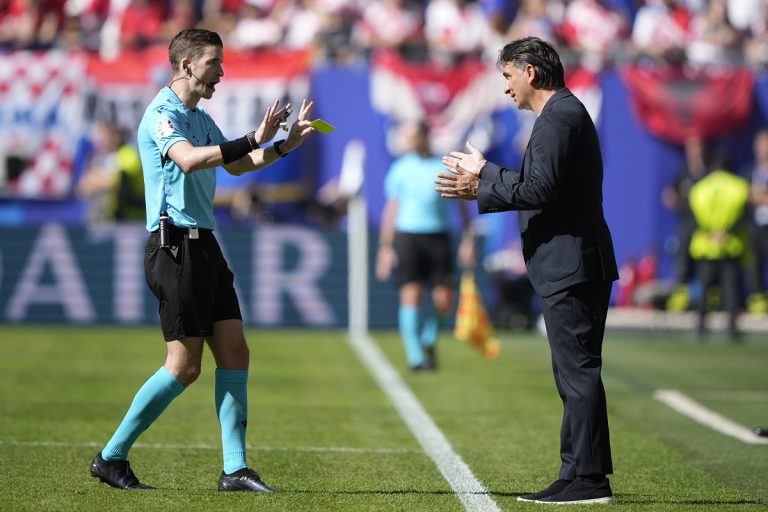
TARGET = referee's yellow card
(322,126)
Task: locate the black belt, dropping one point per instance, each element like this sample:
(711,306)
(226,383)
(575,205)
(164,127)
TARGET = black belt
(193,233)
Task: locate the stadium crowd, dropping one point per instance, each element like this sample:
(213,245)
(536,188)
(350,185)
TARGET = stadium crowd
(588,32)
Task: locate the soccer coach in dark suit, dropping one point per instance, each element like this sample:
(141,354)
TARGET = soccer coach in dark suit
(567,248)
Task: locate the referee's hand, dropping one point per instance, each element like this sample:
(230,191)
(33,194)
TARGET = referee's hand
(271,122)
(386,260)
(301,128)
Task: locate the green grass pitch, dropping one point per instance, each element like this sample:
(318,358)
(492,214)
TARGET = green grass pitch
(322,432)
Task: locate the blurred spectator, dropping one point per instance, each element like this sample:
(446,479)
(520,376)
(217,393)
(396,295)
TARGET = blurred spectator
(221,15)
(500,13)
(69,38)
(255,27)
(694,6)
(532,20)
(334,39)
(128,192)
(303,20)
(182,14)
(713,40)
(590,32)
(248,208)
(141,24)
(592,29)
(660,30)
(456,29)
(742,12)
(392,24)
(113,183)
(756,44)
(415,237)
(719,203)
(31,24)
(627,8)
(756,302)
(675,197)
(85,19)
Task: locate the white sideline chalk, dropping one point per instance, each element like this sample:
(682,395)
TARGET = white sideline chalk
(470,491)
(697,412)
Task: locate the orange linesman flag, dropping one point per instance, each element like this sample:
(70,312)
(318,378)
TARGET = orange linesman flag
(472,322)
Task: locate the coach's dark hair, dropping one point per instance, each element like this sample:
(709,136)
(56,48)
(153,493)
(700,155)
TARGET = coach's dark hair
(539,54)
(191,43)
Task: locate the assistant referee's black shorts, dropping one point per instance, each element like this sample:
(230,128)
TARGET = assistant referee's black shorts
(192,283)
(425,258)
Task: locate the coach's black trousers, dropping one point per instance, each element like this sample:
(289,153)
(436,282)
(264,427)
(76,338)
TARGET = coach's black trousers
(575,321)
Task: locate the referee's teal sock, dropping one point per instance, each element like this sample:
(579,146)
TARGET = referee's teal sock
(150,401)
(232,410)
(431,329)
(408,320)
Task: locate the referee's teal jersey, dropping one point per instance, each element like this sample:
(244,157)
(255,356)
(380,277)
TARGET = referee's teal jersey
(410,181)
(188,198)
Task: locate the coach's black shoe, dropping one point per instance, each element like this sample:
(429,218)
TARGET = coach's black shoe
(582,491)
(549,491)
(243,480)
(116,473)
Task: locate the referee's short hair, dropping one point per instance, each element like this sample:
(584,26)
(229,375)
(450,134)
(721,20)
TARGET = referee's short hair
(191,43)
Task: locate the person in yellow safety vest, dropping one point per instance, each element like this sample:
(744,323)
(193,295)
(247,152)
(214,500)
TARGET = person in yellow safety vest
(719,242)
(113,184)
(126,199)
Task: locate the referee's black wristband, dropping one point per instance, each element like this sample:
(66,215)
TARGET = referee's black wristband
(252,140)
(276,147)
(234,150)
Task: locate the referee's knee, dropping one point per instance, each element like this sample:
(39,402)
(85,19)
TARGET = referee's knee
(186,374)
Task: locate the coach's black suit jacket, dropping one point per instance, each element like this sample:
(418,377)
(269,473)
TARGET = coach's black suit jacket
(558,191)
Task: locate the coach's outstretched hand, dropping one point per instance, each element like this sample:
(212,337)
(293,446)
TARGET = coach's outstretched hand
(463,179)
(459,185)
(471,162)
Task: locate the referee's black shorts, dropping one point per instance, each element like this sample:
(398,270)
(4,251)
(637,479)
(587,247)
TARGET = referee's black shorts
(425,258)
(192,283)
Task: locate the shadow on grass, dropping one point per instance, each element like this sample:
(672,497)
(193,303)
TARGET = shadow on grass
(370,491)
(649,499)
(284,491)
(645,500)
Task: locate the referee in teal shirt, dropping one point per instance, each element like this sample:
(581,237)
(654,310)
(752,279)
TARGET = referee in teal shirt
(415,237)
(181,147)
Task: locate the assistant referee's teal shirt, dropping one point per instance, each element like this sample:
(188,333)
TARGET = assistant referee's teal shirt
(410,181)
(188,198)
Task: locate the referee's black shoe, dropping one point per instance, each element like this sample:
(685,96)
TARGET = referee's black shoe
(243,480)
(116,473)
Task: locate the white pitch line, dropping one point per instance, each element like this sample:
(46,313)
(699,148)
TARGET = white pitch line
(697,412)
(734,396)
(203,446)
(470,491)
